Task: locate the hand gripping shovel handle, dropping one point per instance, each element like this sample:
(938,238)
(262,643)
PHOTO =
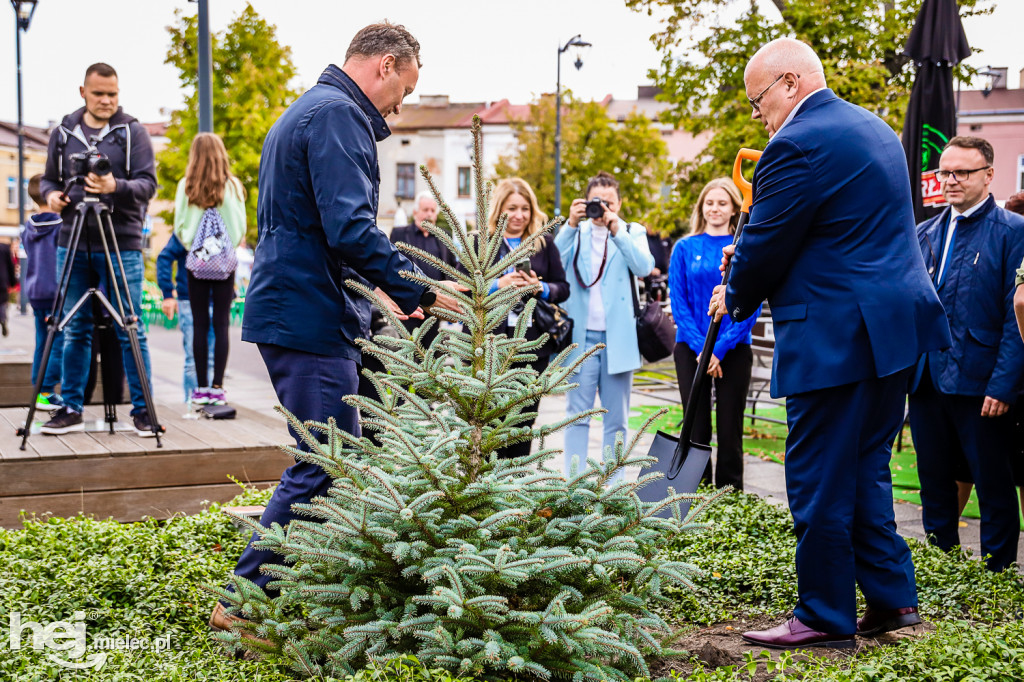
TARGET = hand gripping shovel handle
(709,341)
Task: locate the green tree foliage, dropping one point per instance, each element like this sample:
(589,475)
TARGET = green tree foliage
(704,55)
(251,76)
(632,151)
(430,545)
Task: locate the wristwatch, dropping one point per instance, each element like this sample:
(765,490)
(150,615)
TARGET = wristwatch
(428,298)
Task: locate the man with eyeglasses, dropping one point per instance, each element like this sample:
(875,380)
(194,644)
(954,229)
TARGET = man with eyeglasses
(960,397)
(830,244)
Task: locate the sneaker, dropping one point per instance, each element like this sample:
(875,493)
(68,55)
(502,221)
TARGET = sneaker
(143,425)
(200,396)
(49,402)
(216,396)
(64,421)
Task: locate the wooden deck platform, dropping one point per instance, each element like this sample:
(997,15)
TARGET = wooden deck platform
(127,477)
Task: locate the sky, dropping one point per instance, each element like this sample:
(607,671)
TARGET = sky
(476,50)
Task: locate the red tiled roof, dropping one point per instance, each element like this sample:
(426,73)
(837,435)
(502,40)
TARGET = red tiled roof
(158,129)
(420,117)
(503,112)
(35,138)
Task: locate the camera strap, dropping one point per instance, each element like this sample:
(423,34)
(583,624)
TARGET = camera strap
(576,260)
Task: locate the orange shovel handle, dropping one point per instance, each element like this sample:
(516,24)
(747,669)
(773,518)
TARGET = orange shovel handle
(737,175)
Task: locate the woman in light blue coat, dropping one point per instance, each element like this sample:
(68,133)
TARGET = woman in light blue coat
(601,256)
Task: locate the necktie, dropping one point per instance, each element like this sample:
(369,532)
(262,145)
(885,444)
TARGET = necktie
(948,255)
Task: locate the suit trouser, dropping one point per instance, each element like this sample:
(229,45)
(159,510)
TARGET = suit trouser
(840,493)
(948,429)
(730,399)
(310,387)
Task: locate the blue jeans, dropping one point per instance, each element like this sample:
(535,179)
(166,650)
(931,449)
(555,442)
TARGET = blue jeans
(53,367)
(191,382)
(78,333)
(593,379)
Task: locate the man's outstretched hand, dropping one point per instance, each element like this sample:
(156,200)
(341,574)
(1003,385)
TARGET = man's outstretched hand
(449,302)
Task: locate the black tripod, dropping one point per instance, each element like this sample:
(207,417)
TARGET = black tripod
(128,322)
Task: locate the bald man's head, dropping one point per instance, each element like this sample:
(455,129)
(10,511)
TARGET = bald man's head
(778,76)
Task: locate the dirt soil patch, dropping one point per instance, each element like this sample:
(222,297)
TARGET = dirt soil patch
(721,645)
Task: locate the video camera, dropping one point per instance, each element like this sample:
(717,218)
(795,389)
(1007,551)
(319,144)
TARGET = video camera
(90,161)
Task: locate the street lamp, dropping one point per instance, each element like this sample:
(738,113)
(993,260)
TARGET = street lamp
(573,42)
(204,81)
(23,11)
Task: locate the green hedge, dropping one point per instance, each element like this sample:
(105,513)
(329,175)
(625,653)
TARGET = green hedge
(144,580)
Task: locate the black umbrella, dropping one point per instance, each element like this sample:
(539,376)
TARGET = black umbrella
(936,44)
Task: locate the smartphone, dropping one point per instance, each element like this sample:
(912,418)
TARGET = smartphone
(523,266)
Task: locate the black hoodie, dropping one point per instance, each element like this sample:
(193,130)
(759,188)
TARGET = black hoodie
(125,141)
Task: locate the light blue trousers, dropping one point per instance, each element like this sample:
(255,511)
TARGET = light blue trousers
(593,379)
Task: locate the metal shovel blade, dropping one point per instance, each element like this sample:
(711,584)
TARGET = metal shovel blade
(695,460)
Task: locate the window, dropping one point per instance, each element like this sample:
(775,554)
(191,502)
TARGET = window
(1020,173)
(465,181)
(12,192)
(406,186)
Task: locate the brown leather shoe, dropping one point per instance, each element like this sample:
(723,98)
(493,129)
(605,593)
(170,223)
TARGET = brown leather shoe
(795,635)
(877,621)
(221,620)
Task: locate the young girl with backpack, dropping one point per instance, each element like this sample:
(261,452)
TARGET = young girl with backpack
(209,219)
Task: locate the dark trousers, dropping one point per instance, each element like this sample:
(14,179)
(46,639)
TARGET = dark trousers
(840,493)
(730,399)
(200,294)
(523,449)
(947,430)
(310,387)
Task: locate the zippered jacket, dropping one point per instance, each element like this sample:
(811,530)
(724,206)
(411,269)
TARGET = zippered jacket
(317,218)
(39,270)
(125,141)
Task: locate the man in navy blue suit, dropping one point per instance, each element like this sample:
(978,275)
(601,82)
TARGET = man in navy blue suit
(831,245)
(960,399)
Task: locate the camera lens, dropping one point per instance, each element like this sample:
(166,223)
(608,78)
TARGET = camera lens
(595,208)
(100,165)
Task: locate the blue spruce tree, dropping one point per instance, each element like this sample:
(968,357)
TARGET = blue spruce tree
(428,544)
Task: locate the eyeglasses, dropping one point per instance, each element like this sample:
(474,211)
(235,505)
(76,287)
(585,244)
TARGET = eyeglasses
(957,175)
(756,102)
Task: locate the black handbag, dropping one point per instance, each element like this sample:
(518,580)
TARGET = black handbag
(553,320)
(655,329)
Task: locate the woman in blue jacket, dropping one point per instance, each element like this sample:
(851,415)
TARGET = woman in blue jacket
(602,257)
(692,274)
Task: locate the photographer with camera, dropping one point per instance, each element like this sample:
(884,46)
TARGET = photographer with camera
(100,151)
(603,254)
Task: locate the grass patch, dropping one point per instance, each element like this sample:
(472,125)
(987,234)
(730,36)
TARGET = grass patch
(767,440)
(144,580)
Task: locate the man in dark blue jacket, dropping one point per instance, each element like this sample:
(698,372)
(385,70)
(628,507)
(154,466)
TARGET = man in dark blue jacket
(415,234)
(830,244)
(100,126)
(317,218)
(961,397)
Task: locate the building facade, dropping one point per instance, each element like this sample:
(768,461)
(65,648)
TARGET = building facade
(997,114)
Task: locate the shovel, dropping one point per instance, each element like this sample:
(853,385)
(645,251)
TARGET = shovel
(679,456)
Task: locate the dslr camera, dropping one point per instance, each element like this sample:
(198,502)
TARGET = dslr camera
(91,161)
(596,208)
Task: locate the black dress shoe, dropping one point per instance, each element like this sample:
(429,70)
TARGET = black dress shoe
(795,635)
(877,621)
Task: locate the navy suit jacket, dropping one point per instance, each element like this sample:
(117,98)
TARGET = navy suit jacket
(987,356)
(831,244)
